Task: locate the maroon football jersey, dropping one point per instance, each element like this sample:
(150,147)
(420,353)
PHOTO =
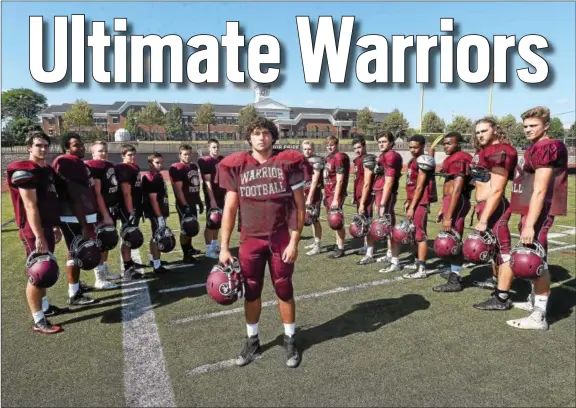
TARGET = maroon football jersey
(308,175)
(29,175)
(264,189)
(337,163)
(544,153)
(429,193)
(153,182)
(130,173)
(458,164)
(189,175)
(209,165)
(392,163)
(358,177)
(103,170)
(501,155)
(74,183)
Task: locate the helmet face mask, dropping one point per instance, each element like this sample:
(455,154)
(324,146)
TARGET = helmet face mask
(359,226)
(311,215)
(480,247)
(225,284)
(528,261)
(164,239)
(85,253)
(404,232)
(381,228)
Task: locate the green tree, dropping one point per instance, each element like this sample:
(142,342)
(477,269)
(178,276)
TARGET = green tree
(462,124)
(22,103)
(205,116)
(174,125)
(79,117)
(365,122)
(151,115)
(247,114)
(394,120)
(131,122)
(16,130)
(556,130)
(432,123)
(513,130)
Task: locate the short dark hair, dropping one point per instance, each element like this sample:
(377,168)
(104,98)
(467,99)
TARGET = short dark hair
(358,139)
(332,139)
(153,156)
(127,148)
(36,134)
(213,141)
(387,134)
(65,141)
(262,123)
(455,135)
(184,146)
(417,138)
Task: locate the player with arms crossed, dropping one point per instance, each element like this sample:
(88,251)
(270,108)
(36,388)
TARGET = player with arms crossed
(35,203)
(359,146)
(266,185)
(455,201)
(545,161)
(336,175)
(185,179)
(313,191)
(491,168)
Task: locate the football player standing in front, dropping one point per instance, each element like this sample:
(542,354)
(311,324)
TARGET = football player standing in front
(185,179)
(491,168)
(266,185)
(313,191)
(545,160)
(359,146)
(35,203)
(336,175)
(420,193)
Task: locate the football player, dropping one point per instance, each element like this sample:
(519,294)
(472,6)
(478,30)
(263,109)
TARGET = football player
(359,146)
(336,175)
(185,179)
(491,168)
(155,204)
(420,194)
(213,195)
(35,203)
(267,185)
(130,179)
(455,201)
(545,161)
(106,191)
(313,191)
(78,207)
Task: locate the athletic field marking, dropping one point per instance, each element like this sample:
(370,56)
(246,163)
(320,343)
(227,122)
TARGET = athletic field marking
(562,248)
(207,368)
(8,222)
(549,235)
(179,288)
(146,380)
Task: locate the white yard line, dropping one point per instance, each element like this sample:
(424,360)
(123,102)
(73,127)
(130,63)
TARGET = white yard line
(146,379)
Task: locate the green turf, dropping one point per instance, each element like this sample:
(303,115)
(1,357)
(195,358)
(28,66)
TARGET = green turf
(397,344)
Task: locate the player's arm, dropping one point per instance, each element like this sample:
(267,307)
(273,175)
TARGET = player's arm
(339,184)
(420,185)
(457,189)
(228,218)
(498,182)
(29,198)
(127,194)
(180,197)
(102,207)
(314,185)
(368,174)
(153,197)
(208,188)
(387,191)
(542,178)
(300,212)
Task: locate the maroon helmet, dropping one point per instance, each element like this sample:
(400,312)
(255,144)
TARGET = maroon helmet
(107,237)
(225,284)
(42,269)
(164,240)
(190,226)
(381,228)
(336,219)
(404,232)
(132,236)
(359,226)
(85,253)
(311,215)
(527,261)
(214,218)
(447,244)
(479,247)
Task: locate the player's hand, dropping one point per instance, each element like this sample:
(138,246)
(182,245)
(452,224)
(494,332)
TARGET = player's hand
(132,218)
(57,235)
(410,214)
(87,232)
(334,204)
(406,205)
(481,226)
(290,253)
(41,245)
(187,211)
(200,207)
(361,209)
(161,222)
(431,151)
(308,203)
(225,256)
(447,225)
(439,217)
(107,220)
(381,210)
(527,235)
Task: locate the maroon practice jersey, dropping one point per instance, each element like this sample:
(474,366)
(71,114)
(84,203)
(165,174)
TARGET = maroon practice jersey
(500,155)
(458,165)
(153,182)
(28,175)
(308,175)
(358,177)
(74,183)
(544,153)
(104,171)
(391,162)
(336,163)
(429,193)
(189,175)
(265,190)
(130,173)
(209,165)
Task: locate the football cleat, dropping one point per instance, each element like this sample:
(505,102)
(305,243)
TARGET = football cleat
(42,269)
(336,219)
(447,244)
(85,253)
(359,226)
(527,261)
(479,247)
(225,284)
(107,237)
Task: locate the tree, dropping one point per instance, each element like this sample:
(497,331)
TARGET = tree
(247,114)
(151,116)
(131,122)
(394,120)
(16,130)
(556,130)
(461,124)
(432,123)
(365,122)
(174,125)
(22,103)
(513,130)
(79,117)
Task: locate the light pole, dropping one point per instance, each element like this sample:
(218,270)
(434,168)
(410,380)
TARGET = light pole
(421,107)
(490,99)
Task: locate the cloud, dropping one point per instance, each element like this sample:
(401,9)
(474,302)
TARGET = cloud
(562,101)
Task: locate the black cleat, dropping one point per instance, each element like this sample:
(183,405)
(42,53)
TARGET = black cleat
(55,310)
(151,263)
(189,258)
(250,352)
(493,303)
(489,283)
(132,274)
(195,251)
(45,327)
(84,287)
(292,352)
(337,253)
(80,299)
(161,270)
(453,284)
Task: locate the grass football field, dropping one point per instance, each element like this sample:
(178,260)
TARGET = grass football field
(368,339)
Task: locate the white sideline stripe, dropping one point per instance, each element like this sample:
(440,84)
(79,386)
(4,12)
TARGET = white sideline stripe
(179,288)
(562,248)
(549,235)
(146,380)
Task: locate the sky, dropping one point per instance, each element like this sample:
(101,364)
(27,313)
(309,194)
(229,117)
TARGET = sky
(554,21)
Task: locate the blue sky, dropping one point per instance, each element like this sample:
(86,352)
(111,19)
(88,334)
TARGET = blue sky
(555,21)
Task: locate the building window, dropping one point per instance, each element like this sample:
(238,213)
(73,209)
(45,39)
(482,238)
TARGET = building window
(115,119)
(220,120)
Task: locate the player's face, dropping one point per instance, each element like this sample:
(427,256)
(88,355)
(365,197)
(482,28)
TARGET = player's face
(484,133)
(214,149)
(307,150)
(450,145)
(416,149)
(358,149)
(384,144)
(185,156)
(39,149)
(157,163)
(77,148)
(332,147)
(261,140)
(130,157)
(99,152)
(534,129)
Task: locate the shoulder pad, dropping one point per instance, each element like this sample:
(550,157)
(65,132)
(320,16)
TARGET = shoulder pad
(291,155)
(426,162)
(369,161)
(234,159)
(317,162)
(98,164)
(22,177)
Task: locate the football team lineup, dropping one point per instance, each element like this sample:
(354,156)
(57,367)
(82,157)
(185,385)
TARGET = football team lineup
(486,218)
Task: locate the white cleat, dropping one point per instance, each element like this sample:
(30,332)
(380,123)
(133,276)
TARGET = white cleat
(536,321)
(312,245)
(392,268)
(315,250)
(419,274)
(526,306)
(112,276)
(384,258)
(104,284)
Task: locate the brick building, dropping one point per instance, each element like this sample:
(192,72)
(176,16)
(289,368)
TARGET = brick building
(293,122)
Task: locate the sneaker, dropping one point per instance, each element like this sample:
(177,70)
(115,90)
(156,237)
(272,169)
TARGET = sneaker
(312,245)
(250,352)
(536,321)
(292,353)
(55,310)
(367,259)
(489,283)
(391,268)
(195,251)
(84,287)
(45,327)
(411,266)
(420,273)
(104,284)
(493,303)
(453,284)
(188,258)
(111,276)
(132,274)
(80,299)
(337,253)
(315,250)
(385,259)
